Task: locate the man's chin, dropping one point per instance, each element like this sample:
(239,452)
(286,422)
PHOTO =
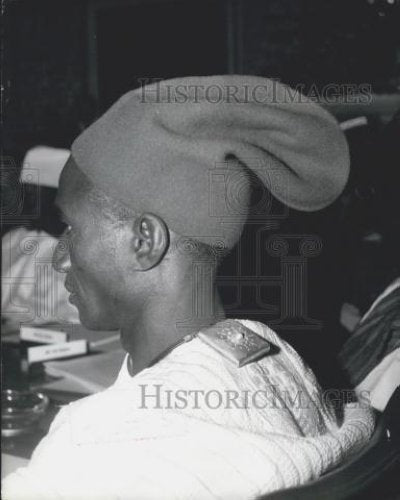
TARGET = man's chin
(93,323)
(89,325)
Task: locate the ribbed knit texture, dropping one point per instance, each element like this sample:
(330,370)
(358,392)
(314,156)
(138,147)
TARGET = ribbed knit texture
(116,445)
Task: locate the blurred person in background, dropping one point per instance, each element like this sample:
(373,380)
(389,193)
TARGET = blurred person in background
(370,357)
(32,292)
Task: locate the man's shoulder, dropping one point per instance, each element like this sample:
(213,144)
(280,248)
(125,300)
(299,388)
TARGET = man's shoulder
(77,408)
(95,418)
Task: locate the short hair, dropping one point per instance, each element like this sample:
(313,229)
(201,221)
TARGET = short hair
(118,213)
(111,208)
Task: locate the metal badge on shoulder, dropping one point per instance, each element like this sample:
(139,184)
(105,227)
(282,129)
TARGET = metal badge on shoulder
(236,342)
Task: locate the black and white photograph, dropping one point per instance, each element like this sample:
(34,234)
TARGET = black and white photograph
(200,223)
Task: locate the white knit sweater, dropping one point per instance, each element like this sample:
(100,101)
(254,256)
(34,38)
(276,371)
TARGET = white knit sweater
(194,426)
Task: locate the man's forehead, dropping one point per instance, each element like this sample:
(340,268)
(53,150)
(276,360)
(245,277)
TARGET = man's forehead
(73,185)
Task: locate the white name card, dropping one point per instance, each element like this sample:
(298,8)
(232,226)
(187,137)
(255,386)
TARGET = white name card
(57,351)
(42,335)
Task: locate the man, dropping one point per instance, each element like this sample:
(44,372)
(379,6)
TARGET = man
(153,194)
(371,356)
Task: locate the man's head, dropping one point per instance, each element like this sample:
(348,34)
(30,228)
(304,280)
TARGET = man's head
(113,257)
(152,168)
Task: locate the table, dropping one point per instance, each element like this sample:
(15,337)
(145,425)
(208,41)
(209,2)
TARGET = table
(60,390)
(9,463)
(13,378)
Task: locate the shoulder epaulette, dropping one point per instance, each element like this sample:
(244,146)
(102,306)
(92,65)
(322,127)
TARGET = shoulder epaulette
(235,342)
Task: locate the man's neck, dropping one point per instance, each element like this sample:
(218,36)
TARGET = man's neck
(169,316)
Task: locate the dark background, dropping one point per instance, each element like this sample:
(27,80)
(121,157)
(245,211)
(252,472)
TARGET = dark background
(65,62)
(58,54)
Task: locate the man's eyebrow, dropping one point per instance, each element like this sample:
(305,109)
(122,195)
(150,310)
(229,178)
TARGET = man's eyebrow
(61,214)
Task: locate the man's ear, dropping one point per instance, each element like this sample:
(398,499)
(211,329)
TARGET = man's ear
(150,240)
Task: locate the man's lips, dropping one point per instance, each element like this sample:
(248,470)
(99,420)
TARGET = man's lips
(72,297)
(69,287)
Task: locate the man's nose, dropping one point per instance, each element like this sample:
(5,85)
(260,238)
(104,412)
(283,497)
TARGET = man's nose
(61,258)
